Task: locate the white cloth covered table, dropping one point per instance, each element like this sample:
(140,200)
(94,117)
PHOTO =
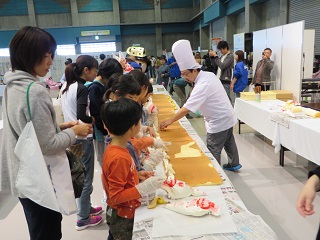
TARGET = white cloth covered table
(301,137)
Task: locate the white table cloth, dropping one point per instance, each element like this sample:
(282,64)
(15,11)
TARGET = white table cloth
(301,137)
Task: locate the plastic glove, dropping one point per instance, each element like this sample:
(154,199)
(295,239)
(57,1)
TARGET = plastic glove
(140,134)
(150,185)
(155,157)
(158,143)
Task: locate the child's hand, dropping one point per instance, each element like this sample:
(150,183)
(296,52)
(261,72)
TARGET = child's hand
(306,197)
(155,157)
(143,174)
(151,132)
(150,185)
(158,143)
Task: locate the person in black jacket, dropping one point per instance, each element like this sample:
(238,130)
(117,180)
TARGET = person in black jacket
(307,195)
(209,63)
(96,90)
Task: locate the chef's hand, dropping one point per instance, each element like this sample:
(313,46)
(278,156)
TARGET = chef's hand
(165,124)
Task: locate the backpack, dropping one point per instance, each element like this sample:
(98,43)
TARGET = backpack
(180,82)
(78,173)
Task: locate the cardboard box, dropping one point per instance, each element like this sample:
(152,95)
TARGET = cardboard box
(283,95)
(251,96)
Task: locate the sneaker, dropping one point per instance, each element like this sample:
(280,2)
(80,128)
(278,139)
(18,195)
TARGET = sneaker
(96,211)
(231,168)
(94,221)
(189,116)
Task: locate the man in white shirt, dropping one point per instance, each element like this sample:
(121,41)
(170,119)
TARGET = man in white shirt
(209,97)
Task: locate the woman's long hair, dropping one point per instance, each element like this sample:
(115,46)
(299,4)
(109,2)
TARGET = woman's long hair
(74,70)
(240,55)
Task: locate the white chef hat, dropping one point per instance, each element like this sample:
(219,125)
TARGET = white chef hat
(183,54)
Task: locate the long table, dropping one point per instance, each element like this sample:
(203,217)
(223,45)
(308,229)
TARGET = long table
(301,137)
(145,220)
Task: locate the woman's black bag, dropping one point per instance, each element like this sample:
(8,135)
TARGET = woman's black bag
(78,173)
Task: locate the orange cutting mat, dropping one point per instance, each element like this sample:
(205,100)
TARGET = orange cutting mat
(194,171)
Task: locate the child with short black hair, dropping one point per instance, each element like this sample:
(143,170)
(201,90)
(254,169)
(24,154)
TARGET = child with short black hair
(124,86)
(120,178)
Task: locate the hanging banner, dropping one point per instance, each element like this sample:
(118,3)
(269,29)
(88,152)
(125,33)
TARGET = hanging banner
(214,43)
(95,33)
(238,42)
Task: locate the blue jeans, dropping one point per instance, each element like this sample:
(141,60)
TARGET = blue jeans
(84,202)
(153,71)
(227,88)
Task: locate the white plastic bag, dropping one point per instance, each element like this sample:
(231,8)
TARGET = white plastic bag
(33,180)
(197,207)
(251,88)
(60,173)
(46,180)
(177,189)
(57,105)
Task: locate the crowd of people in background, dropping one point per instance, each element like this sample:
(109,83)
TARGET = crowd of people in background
(231,69)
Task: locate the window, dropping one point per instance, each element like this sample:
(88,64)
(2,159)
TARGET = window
(4,52)
(98,47)
(66,49)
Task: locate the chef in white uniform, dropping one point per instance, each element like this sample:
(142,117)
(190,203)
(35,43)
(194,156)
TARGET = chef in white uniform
(209,97)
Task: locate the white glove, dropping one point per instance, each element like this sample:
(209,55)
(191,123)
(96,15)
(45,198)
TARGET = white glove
(150,185)
(158,143)
(155,157)
(155,111)
(140,134)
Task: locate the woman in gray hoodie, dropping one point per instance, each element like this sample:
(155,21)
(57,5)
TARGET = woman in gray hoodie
(31,54)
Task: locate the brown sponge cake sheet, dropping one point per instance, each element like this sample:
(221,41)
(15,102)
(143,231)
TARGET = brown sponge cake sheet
(195,171)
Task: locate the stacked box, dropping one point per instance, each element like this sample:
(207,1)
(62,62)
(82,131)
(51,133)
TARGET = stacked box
(251,96)
(283,95)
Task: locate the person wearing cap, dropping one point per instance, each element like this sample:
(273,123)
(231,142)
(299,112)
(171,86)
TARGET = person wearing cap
(135,65)
(209,97)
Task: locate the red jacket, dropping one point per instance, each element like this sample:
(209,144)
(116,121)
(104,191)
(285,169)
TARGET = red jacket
(119,178)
